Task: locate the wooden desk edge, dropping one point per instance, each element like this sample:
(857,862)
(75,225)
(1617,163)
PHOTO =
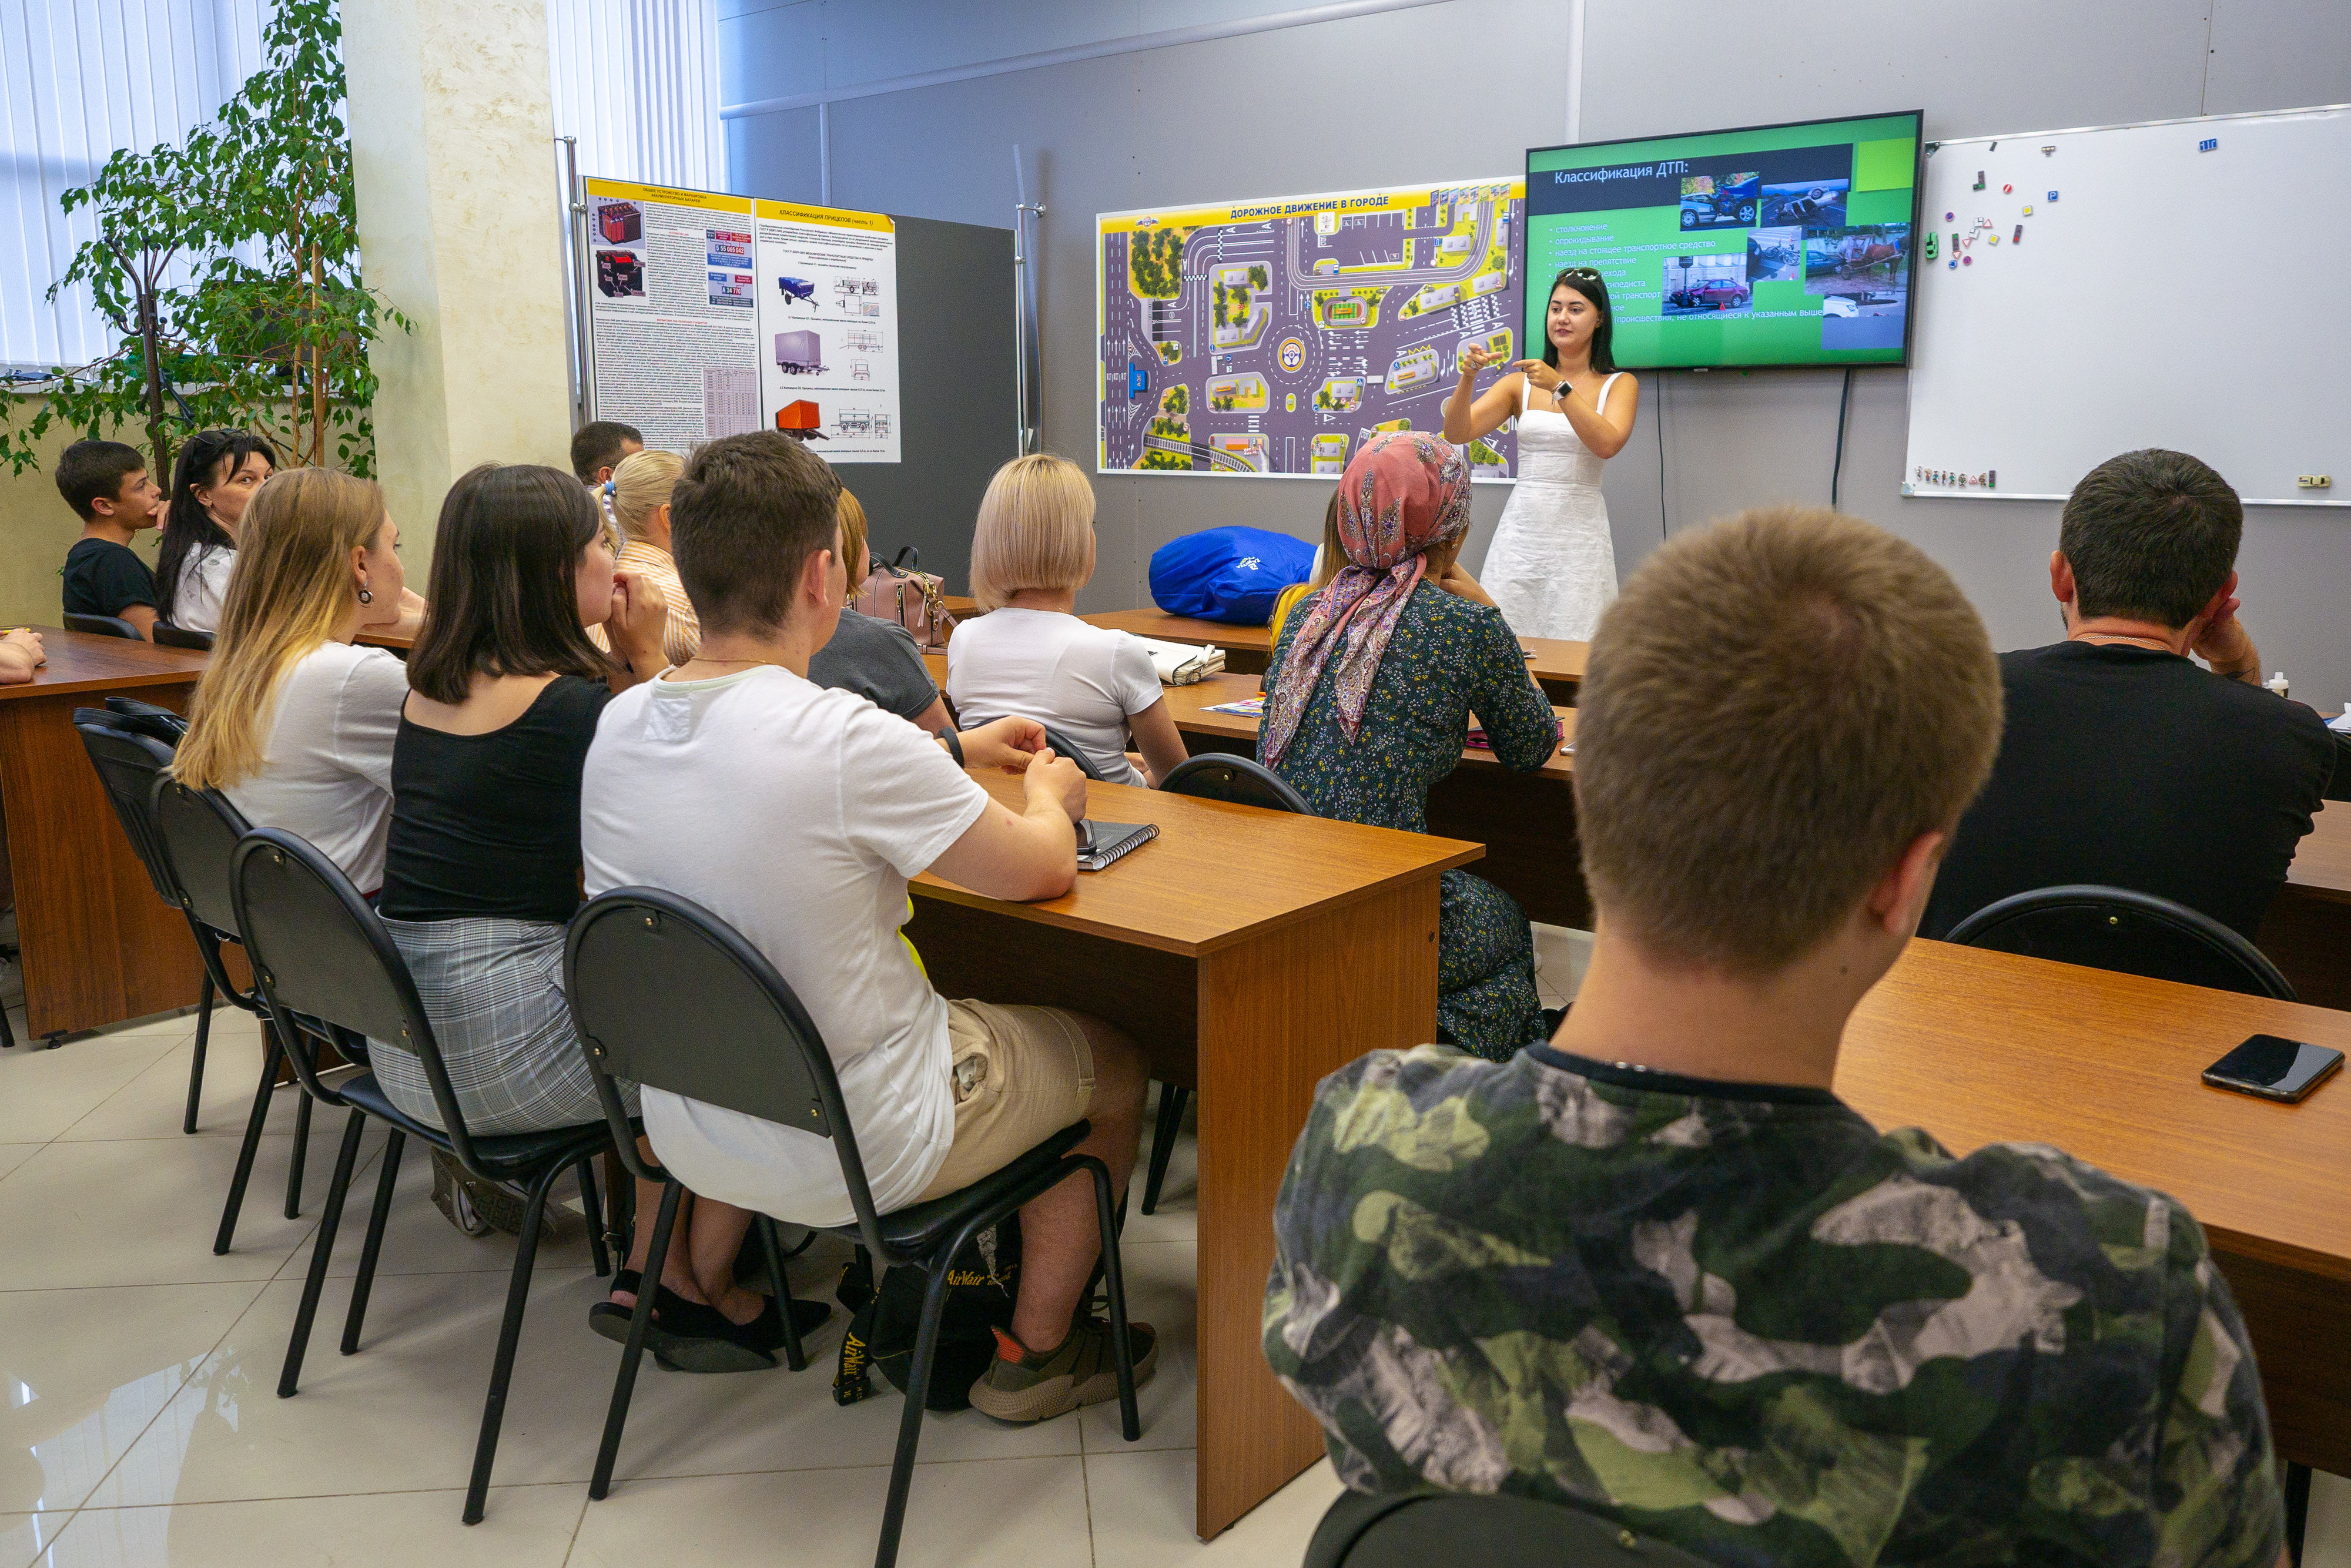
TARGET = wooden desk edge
(1462,854)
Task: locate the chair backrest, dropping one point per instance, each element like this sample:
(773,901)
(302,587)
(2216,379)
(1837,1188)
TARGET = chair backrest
(322,958)
(197,832)
(103,626)
(129,760)
(1221,775)
(182,637)
(160,722)
(1064,747)
(2130,933)
(667,995)
(1438,1530)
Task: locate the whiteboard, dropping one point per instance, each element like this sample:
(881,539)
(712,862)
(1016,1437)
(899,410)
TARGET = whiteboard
(2161,296)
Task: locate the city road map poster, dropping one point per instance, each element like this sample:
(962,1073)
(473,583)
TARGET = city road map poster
(1274,337)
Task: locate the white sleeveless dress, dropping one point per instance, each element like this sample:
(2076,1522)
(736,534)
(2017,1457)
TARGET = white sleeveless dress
(1552,565)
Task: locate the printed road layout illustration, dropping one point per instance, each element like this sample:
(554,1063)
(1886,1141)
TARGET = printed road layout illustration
(1275,337)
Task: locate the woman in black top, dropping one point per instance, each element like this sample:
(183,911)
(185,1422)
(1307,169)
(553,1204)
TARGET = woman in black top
(481,867)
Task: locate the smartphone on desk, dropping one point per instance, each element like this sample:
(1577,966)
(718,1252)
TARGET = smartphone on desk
(2274,1068)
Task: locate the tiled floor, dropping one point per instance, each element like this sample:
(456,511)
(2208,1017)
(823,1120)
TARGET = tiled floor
(139,1423)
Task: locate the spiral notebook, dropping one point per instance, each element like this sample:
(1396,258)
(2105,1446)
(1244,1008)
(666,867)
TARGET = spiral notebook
(1099,844)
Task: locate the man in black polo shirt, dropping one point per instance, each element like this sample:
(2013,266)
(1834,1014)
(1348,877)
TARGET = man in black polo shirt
(107,484)
(2122,762)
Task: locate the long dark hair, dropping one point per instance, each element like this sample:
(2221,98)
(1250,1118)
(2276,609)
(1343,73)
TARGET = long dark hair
(189,528)
(1586,282)
(503,598)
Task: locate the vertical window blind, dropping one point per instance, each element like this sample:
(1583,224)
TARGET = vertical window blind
(635,80)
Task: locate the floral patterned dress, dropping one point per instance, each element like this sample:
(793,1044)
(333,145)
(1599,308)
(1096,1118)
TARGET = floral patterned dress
(1448,657)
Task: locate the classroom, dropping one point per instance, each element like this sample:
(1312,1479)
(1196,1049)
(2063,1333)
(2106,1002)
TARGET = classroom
(1370,783)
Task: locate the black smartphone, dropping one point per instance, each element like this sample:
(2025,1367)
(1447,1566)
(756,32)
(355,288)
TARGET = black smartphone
(2274,1068)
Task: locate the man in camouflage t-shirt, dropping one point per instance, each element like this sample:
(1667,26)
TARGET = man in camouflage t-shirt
(1656,1270)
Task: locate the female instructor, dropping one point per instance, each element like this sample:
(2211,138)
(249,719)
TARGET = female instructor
(1552,568)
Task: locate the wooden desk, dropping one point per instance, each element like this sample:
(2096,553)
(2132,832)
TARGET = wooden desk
(396,641)
(1252,953)
(98,945)
(2307,931)
(1526,820)
(1976,1047)
(1557,666)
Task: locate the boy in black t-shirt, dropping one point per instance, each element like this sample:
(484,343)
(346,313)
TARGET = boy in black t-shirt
(2123,763)
(107,484)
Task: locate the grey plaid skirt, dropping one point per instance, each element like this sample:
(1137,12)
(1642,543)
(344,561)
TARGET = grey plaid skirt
(494,991)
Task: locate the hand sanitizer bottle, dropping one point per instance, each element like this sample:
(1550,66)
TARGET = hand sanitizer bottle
(2278,683)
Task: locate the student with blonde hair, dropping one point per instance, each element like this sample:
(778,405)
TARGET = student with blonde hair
(1032,655)
(875,658)
(635,501)
(291,721)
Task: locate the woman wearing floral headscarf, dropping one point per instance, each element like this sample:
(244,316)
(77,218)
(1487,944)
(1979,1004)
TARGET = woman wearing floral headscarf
(1369,697)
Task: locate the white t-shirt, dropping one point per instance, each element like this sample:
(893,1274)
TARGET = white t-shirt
(1080,680)
(202,588)
(795,814)
(327,768)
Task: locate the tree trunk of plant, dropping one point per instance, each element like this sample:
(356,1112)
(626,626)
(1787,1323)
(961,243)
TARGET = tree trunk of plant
(151,350)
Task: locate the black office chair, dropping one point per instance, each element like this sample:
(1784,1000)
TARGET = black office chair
(668,996)
(196,833)
(2129,932)
(180,637)
(103,626)
(324,962)
(1211,776)
(1064,747)
(1440,1529)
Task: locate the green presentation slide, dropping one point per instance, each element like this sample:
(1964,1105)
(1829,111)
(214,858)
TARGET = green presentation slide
(1780,245)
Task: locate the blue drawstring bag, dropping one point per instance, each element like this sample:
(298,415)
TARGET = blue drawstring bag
(1231,574)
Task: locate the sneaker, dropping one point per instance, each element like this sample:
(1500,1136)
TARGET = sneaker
(452,1194)
(1023,1385)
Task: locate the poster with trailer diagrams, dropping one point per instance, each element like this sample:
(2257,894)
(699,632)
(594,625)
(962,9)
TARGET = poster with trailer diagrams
(713,315)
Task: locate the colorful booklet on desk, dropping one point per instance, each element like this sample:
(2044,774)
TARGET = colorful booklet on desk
(1247,708)
(1099,844)
(1479,742)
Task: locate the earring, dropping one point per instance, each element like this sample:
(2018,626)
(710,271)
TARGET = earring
(365,597)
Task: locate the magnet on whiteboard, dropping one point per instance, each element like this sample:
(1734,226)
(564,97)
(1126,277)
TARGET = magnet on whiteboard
(1979,180)
(2018,238)
(2053,195)
(1953,263)
(2208,144)
(1968,259)
(2028,209)
(1994,238)
(2045,152)
(2008,190)
(1950,218)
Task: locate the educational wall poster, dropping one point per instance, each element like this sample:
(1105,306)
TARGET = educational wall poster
(1274,337)
(1779,244)
(828,327)
(713,315)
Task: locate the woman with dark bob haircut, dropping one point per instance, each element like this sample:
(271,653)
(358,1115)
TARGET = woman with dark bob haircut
(482,869)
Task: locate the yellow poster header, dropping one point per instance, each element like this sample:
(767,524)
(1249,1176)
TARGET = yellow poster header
(1343,202)
(709,200)
(827,217)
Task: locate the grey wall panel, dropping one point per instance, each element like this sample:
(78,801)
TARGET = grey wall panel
(769,51)
(2278,54)
(775,156)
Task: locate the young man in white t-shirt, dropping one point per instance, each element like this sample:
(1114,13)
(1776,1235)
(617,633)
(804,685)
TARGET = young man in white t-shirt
(796,814)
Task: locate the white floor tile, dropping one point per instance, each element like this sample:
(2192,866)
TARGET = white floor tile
(43,1093)
(1566,952)
(77,1401)
(144,1211)
(1162,1290)
(22,1536)
(2326,1538)
(151,1104)
(1142,1510)
(522,1527)
(15,1154)
(999,1513)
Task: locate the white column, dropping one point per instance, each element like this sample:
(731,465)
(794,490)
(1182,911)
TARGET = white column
(461,228)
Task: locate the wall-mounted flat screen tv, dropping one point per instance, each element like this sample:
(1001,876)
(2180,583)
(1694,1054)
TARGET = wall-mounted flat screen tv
(1771,246)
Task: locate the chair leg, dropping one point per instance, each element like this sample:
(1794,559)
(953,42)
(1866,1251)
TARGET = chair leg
(204,1037)
(301,1149)
(625,1383)
(910,1424)
(320,1250)
(2297,1509)
(593,1212)
(1130,1420)
(794,1355)
(395,1144)
(1163,1141)
(494,1407)
(270,1057)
